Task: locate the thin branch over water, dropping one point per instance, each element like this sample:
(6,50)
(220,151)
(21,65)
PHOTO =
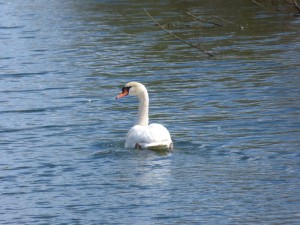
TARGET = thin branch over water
(214,23)
(209,53)
(279,6)
(203,20)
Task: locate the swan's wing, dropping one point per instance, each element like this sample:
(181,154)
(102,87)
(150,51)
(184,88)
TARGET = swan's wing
(159,133)
(137,134)
(160,136)
(152,136)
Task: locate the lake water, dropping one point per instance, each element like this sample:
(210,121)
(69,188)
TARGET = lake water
(234,118)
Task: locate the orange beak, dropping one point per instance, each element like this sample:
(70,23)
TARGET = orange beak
(125,91)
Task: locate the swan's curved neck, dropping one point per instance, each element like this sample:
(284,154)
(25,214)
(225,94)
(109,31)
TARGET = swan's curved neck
(143,116)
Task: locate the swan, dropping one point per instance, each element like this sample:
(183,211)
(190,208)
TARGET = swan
(142,135)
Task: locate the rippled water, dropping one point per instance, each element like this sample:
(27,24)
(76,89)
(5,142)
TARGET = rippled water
(234,118)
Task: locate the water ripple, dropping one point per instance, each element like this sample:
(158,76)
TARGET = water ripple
(234,118)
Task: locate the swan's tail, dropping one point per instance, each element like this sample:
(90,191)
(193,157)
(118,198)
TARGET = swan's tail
(161,145)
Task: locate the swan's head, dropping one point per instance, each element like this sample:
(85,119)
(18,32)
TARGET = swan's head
(132,88)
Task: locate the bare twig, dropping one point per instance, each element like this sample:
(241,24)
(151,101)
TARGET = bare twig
(263,6)
(295,4)
(203,20)
(210,53)
(275,6)
(227,21)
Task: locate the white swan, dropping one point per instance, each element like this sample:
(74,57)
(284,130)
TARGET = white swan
(142,135)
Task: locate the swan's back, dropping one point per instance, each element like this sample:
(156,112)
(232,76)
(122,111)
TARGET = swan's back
(147,137)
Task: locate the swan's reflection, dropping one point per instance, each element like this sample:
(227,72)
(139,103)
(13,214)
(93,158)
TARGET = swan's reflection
(154,170)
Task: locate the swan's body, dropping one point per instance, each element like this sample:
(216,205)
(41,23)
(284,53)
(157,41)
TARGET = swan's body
(142,135)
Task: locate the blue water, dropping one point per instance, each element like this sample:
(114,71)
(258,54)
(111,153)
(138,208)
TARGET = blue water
(234,118)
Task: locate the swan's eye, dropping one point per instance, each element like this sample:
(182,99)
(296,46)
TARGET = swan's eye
(125,89)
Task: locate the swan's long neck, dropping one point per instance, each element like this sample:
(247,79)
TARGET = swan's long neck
(143,117)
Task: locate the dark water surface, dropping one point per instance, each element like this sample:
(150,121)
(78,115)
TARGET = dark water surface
(234,118)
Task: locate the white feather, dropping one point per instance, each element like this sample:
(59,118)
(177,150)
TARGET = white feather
(154,135)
